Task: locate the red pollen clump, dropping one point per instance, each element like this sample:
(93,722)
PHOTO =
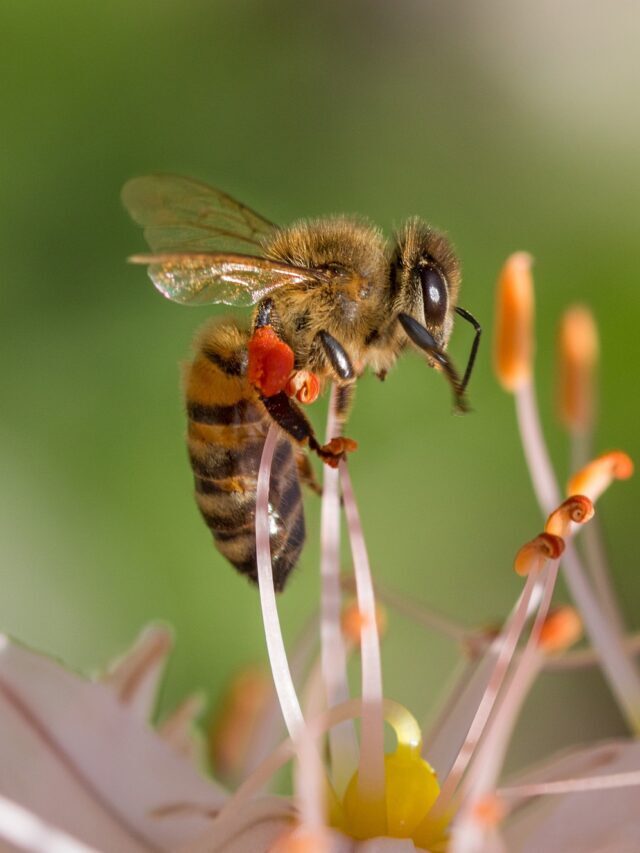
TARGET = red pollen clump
(270,362)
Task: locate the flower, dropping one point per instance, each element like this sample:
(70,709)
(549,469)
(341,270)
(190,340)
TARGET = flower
(82,769)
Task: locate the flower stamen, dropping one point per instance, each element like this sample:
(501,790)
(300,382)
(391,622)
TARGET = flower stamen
(597,476)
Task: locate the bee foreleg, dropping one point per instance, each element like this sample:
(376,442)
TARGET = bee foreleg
(423,339)
(336,356)
(291,419)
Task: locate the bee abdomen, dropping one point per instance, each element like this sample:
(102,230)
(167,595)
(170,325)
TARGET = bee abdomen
(227,429)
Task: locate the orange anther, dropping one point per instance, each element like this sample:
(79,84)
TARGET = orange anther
(560,630)
(594,478)
(270,362)
(353,621)
(236,719)
(489,811)
(304,386)
(533,556)
(301,841)
(513,353)
(577,357)
(577,509)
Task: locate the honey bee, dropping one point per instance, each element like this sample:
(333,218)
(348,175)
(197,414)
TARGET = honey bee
(332,298)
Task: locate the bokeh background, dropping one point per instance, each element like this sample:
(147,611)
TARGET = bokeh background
(511,125)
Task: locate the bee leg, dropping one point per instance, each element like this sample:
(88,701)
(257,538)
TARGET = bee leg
(422,338)
(290,418)
(343,400)
(344,373)
(306,473)
(336,356)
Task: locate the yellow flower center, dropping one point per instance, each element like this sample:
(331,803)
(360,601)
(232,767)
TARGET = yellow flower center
(410,791)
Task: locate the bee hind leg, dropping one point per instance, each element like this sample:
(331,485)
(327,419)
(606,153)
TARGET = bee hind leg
(306,473)
(291,419)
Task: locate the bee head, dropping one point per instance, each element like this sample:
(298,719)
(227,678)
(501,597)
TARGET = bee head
(425,278)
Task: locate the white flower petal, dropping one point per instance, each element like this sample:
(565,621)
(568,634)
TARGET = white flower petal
(135,677)
(254,827)
(178,729)
(74,755)
(385,845)
(605,821)
(26,831)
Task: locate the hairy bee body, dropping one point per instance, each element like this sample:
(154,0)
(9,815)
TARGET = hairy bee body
(227,427)
(332,298)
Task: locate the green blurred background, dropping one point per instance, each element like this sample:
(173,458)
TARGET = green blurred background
(512,126)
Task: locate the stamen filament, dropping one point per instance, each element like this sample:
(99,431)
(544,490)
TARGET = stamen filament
(371,771)
(505,646)
(404,724)
(282,679)
(541,471)
(621,673)
(343,747)
(419,612)
(489,757)
(572,786)
(311,780)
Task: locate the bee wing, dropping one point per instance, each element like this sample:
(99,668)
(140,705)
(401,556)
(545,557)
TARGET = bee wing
(183,215)
(203,278)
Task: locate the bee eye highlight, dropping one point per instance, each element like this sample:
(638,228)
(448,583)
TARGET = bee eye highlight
(434,294)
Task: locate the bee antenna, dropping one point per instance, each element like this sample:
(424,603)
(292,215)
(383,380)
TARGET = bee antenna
(466,315)
(422,338)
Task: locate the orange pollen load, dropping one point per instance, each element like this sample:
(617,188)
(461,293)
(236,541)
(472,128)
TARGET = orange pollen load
(270,362)
(489,811)
(353,621)
(577,509)
(560,630)
(594,478)
(304,386)
(533,556)
(513,353)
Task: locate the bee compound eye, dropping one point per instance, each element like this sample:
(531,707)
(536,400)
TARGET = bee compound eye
(434,294)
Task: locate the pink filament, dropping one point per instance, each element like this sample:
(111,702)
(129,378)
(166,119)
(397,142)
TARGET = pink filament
(572,786)
(620,671)
(311,776)
(490,755)
(335,716)
(371,774)
(505,646)
(343,749)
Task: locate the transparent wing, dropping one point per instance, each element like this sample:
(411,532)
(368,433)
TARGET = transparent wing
(183,215)
(204,278)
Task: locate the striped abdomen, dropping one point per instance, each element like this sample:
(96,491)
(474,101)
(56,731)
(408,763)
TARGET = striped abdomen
(227,428)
